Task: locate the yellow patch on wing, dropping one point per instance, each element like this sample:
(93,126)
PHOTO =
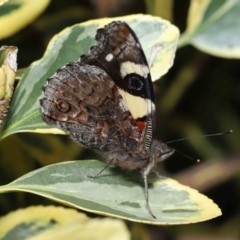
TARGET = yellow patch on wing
(131,67)
(139,107)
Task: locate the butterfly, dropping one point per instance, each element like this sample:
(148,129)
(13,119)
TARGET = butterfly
(105,101)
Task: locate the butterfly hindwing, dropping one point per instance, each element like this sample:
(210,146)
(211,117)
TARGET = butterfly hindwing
(83,101)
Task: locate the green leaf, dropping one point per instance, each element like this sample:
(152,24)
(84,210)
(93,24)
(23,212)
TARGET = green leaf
(214,27)
(116,193)
(16,14)
(153,32)
(60,223)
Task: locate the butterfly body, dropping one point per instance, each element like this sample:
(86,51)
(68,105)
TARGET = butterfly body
(105,101)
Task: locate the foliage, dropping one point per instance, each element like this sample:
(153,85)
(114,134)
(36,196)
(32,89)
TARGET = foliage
(199,95)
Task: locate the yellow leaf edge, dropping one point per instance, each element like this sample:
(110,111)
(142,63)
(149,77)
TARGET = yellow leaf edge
(67,221)
(195,14)
(208,208)
(28,11)
(3,1)
(60,214)
(229,52)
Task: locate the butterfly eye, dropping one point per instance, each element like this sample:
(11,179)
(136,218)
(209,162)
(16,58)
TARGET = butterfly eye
(63,106)
(135,83)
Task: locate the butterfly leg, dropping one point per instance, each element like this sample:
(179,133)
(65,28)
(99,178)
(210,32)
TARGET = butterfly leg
(146,196)
(98,174)
(145,173)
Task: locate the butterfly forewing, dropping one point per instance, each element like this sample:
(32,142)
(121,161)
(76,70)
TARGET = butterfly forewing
(119,53)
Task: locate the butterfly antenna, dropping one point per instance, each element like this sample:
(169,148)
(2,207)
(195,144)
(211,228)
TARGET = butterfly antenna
(201,136)
(195,160)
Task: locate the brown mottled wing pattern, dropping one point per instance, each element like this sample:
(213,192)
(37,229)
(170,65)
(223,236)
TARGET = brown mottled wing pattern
(84,101)
(119,53)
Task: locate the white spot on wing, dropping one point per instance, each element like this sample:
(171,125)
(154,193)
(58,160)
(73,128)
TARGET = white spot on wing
(109,57)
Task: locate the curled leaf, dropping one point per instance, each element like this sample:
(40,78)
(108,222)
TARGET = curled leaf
(8,68)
